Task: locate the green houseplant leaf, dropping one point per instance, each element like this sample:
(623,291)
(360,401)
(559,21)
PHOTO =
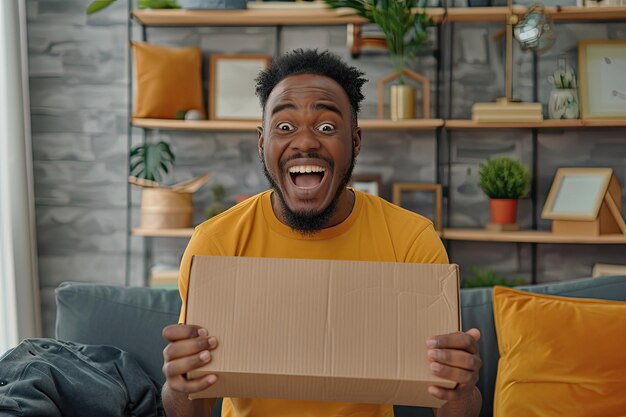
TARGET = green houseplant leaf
(404,28)
(504,178)
(98,5)
(478,278)
(151,160)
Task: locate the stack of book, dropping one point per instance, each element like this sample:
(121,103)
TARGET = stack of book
(507,112)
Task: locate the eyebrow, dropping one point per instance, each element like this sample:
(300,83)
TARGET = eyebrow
(329,107)
(282,107)
(316,106)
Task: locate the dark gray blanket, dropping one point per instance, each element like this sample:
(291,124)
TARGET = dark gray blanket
(47,377)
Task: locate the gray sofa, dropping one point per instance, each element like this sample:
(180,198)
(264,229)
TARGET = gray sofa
(132,319)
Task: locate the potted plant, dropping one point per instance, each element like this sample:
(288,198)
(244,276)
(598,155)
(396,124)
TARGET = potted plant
(162,207)
(478,278)
(404,28)
(504,180)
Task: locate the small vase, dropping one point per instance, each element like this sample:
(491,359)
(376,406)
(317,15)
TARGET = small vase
(402,102)
(563,104)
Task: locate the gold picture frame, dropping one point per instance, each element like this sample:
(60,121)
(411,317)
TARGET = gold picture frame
(231,86)
(400,188)
(601,68)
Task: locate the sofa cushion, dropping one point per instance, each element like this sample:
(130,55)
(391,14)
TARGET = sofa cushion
(128,318)
(559,355)
(477,311)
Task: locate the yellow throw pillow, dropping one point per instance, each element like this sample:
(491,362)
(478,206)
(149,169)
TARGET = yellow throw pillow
(559,356)
(166,80)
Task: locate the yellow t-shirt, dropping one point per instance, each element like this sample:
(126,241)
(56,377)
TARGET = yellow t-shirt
(375,230)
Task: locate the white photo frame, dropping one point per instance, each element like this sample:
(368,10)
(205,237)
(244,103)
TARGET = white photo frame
(232,86)
(602,65)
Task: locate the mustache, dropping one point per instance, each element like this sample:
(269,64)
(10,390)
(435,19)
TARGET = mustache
(311,155)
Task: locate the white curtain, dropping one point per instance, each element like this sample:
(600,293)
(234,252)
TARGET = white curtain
(19,286)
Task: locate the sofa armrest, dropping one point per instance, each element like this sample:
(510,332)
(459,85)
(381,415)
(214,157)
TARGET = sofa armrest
(128,318)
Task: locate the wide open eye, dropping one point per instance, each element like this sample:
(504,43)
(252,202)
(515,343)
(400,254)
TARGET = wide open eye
(285,127)
(326,127)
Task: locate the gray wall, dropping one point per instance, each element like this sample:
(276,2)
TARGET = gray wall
(79,99)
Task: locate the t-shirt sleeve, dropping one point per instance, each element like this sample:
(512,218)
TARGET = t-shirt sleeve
(427,248)
(199,244)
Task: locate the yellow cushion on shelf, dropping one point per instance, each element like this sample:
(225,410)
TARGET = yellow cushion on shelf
(559,356)
(166,80)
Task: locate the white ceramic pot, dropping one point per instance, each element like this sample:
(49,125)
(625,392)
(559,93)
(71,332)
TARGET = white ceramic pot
(563,104)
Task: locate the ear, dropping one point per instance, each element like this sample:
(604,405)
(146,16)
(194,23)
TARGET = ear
(356,141)
(260,141)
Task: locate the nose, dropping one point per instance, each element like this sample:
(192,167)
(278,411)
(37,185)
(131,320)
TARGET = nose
(304,141)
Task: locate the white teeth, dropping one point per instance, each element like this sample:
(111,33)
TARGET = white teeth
(306,169)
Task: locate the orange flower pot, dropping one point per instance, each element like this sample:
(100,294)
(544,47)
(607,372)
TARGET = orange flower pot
(503,210)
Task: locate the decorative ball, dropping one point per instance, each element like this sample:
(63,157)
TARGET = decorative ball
(193,115)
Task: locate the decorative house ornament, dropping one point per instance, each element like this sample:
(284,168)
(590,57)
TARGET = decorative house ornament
(404,26)
(402,97)
(585,201)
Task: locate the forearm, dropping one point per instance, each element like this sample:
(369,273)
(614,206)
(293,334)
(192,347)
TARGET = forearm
(466,407)
(178,404)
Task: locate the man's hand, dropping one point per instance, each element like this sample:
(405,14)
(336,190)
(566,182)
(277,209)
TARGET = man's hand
(189,348)
(455,357)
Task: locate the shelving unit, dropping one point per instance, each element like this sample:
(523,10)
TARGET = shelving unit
(256,17)
(445,18)
(250,126)
(187,232)
(530,236)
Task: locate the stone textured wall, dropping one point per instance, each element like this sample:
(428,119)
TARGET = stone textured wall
(79,102)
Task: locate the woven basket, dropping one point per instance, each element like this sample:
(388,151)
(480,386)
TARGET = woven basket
(162,208)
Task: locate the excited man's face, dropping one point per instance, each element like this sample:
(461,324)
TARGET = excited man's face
(308,148)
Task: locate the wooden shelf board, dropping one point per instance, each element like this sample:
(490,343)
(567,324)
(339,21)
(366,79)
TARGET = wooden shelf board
(203,125)
(162,232)
(545,124)
(293,16)
(529,236)
(569,13)
(256,17)
(411,124)
(251,125)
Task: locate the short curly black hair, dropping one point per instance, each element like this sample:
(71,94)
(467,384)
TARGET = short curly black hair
(311,61)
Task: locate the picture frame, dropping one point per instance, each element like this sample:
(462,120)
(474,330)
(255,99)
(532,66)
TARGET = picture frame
(601,68)
(577,193)
(400,188)
(371,184)
(232,86)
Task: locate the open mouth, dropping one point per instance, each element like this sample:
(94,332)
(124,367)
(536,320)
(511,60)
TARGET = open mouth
(307,176)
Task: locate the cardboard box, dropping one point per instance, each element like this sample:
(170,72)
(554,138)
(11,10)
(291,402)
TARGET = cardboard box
(322,330)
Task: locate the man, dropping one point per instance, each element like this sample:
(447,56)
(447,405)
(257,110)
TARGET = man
(308,144)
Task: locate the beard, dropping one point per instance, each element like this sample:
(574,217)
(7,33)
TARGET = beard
(309,222)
